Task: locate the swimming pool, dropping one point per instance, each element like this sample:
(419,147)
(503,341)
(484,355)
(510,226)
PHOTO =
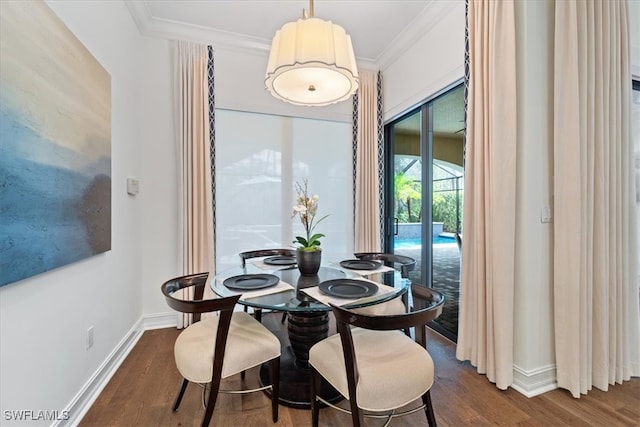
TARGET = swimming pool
(417,243)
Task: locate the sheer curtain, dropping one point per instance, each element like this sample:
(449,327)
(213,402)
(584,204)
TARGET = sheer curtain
(368,163)
(485,330)
(597,332)
(193,139)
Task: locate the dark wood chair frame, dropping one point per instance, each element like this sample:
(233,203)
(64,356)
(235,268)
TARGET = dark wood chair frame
(406,263)
(427,306)
(224,306)
(244,256)
(259,253)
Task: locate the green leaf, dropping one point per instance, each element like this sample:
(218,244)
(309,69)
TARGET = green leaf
(302,241)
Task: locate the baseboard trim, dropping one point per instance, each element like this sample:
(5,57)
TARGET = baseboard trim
(535,381)
(160,321)
(85,398)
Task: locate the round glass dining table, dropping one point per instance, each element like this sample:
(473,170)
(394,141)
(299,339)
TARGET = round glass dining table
(307,317)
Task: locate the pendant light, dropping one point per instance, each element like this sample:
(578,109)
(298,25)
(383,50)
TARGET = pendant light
(311,63)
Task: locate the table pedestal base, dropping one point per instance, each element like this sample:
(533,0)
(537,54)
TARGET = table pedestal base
(305,329)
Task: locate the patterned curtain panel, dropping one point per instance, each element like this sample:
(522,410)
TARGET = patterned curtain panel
(485,332)
(212,153)
(368,160)
(597,326)
(193,127)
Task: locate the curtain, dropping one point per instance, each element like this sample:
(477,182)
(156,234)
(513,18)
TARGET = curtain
(368,163)
(485,329)
(193,128)
(597,326)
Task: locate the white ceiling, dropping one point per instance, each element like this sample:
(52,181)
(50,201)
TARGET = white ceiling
(379,29)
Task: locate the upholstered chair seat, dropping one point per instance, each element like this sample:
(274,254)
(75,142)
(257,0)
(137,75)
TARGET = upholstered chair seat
(387,308)
(384,382)
(221,344)
(249,344)
(377,368)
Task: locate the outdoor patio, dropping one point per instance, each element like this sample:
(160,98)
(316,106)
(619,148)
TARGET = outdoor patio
(446,279)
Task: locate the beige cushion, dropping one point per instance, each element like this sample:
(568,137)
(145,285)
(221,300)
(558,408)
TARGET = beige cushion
(387,308)
(249,344)
(394,370)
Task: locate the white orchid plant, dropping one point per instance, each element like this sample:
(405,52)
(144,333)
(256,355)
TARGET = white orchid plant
(306,208)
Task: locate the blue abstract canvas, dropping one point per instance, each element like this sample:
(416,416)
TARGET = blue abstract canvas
(55,145)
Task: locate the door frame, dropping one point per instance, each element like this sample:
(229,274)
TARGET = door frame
(426,150)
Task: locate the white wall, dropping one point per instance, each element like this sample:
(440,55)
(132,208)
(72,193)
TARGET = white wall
(433,62)
(44,319)
(159,258)
(534,357)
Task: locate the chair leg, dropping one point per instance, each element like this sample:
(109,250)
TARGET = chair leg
(257,313)
(211,402)
(274,374)
(183,387)
(357,417)
(428,408)
(315,389)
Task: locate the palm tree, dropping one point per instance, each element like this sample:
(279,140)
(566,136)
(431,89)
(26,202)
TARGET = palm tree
(405,190)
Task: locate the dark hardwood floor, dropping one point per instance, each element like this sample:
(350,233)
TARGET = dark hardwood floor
(142,391)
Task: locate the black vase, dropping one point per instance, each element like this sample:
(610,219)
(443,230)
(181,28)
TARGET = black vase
(309,261)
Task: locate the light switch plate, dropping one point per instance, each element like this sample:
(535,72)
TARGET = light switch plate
(132,186)
(545,214)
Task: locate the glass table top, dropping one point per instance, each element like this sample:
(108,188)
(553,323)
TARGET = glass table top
(296,299)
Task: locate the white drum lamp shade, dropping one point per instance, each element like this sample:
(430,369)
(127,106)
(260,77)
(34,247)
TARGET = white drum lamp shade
(312,63)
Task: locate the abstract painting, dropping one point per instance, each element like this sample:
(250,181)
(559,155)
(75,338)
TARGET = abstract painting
(55,144)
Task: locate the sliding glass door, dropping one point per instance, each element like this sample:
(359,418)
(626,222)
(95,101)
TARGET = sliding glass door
(425,186)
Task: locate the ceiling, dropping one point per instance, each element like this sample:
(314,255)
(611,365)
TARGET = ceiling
(379,29)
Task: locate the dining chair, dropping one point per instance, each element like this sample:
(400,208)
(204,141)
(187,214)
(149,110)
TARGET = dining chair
(374,365)
(220,345)
(260,253)
(405,263)
(397,305)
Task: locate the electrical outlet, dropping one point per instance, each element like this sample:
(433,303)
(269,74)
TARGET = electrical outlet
(89,337)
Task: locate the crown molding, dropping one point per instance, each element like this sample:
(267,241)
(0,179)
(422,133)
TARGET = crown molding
(173,30)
